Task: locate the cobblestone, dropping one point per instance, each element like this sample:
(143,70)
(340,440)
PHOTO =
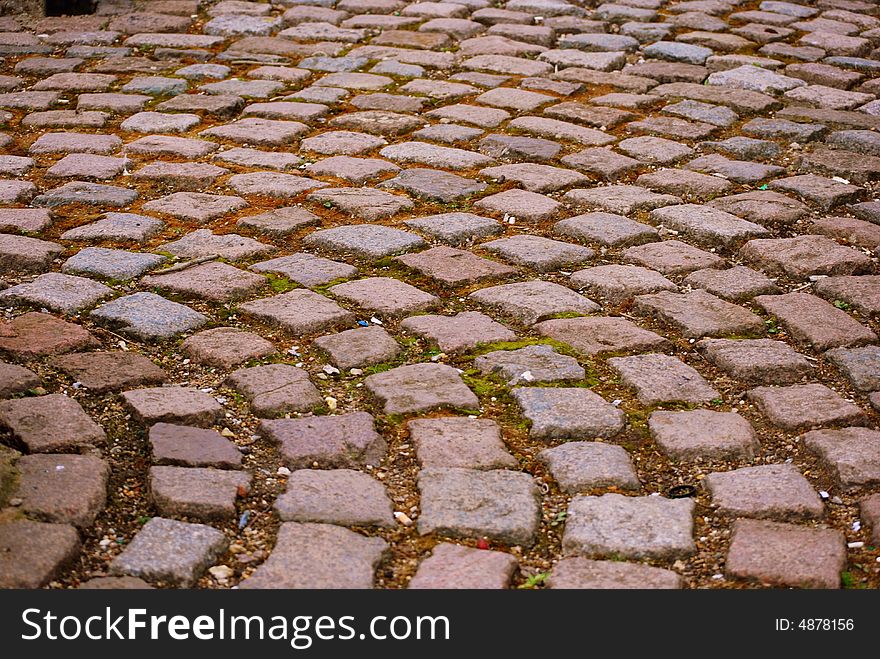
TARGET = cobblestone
(590,247)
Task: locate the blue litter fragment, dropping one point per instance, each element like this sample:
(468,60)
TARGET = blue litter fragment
(243,520)
(363,323)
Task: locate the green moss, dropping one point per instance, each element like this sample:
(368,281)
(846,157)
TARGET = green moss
(485,348)
(851,581)
(324,289)
(485,386)
(280,284)
(380,368)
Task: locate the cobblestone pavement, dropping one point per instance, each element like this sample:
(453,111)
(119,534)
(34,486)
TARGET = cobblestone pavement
(365,293)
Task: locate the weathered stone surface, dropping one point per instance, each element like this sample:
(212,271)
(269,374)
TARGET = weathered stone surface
(621,199)
(606,229)
(343,441)
(366,203)
(811,320)
(64,293)
(49,424)
(215,281)
(850,454)
(63,489)
(16,380)
(83,192)
(248,157)
(85,166)
(757,361)
(38,334)
(385,295)
(169,551)
(655,150)
(455,228)
(697,314)
(280,221)
(538,253)
(185,446)
(683,183)
(117,226)
(180,176)
(583,573)
(602,162)
(115,583)
(25,220)
(225,347)
(663,379)
(195,206)
(630,527)
(584,466)
(168,145)
(776,491)
(805,255)
(102,372)
(860,365)
(785,554)
(568,413)
(335,496)
(454,267)
(256,130)
(736,284)
(703,435)
(535,177)
(861,292)
(159,122)
(462,503)
(148,317)
(535,363)
(520,205)
(18,253)
(707,225)
(364,240)
(356,170)
(671,257)
(74,143)
(275,389)
(435,185)
(618,283)
(273,184)
(356,348)
(804,406)
(182,405)
(596,335)
(459,442)
(420,388)
(196,492)
(33,553)
(825,192)
(454,567)
(459,333)
(318,556)
(870,509)
(434,156)
(115,264)
(529,302)
(299,312)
